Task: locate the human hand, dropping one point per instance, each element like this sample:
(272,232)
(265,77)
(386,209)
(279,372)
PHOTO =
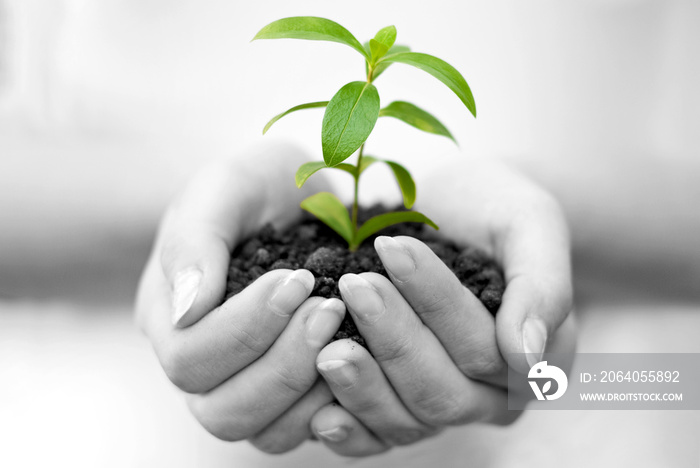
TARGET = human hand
(247,365)
(437,353)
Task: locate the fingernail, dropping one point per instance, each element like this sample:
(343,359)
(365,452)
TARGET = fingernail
(363,299)
(395,258)
(534,340)
(291,292)
(338,372)
(337,434)
(324,322)
(185,289)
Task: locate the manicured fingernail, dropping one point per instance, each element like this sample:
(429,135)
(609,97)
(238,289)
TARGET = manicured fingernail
(337,434)
(361,297)
(395,258)
(185,289)
(338,372)
(324,322)
(291,292)
(534,340)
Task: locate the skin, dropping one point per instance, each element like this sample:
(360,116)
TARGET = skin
(256,368)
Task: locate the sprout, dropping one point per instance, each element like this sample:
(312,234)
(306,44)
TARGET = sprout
(350,117)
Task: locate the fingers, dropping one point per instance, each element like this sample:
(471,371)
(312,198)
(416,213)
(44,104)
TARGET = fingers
(230,337)
(534,252)
(362,389)
(523,227)
(458,319)
(196,238)
(293,427)
(257,395)
(341,432)
(223,204)
(195,263)
(412,358)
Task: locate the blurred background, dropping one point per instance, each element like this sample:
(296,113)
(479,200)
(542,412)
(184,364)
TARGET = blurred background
(107,108)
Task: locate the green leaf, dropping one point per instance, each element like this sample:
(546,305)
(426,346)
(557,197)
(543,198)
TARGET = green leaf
(377,49)
(366,162)
(406,183)
(326,207)
(382,42)
(416,117)
(386,36)
(307,170)
(310,28)
(403,177)
(309,105)
(379,222)
(441,70)
(349,168)
(349,119)
(382,65)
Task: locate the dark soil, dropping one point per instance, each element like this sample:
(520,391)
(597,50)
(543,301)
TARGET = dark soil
(315,247)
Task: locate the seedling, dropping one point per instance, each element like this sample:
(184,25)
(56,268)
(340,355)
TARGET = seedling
(350,117)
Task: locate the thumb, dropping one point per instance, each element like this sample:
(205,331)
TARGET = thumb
(195,264)
(538,296)
(227,201)
(197,236)
(530,321)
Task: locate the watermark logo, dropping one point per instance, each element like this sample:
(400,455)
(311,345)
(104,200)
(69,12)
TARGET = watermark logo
(604,381)
(541,377)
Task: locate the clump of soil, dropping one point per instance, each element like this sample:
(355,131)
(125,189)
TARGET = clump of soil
(312,245)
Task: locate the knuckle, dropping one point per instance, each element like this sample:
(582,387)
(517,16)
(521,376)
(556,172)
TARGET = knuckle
(484,364)
(178,368)
(435,303)
(397,349)
(245,343)
(439,409)
(291,380)
(365,405)
(217,423)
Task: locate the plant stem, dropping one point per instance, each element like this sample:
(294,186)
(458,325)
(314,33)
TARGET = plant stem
(355,204)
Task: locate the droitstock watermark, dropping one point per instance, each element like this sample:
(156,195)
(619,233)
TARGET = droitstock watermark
(600,381)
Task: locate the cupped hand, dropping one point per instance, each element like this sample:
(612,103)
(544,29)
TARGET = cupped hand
(247,365)
(437,354)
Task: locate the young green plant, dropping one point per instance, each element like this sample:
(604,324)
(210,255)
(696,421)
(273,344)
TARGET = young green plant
(350,117)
